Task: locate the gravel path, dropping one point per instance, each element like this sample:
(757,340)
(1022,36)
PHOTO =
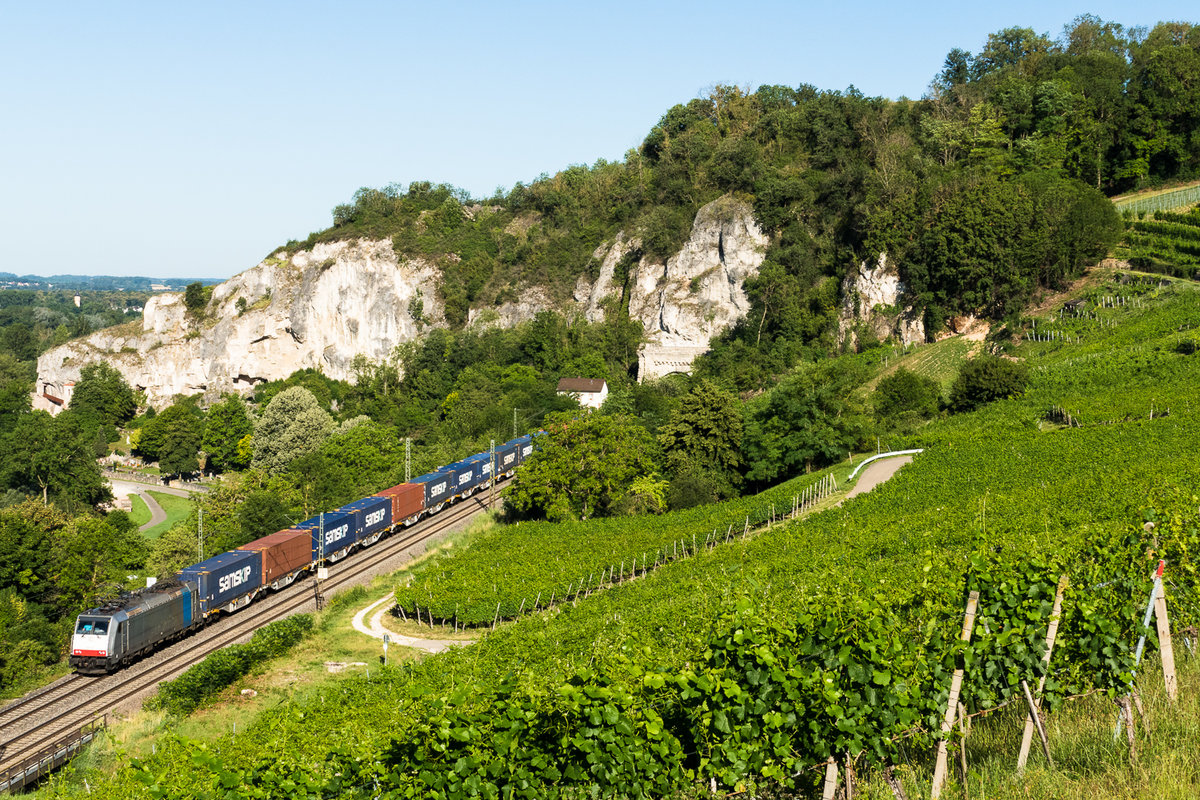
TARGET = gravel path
(157,515)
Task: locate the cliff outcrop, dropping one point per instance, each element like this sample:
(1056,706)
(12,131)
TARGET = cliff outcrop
(873,305)
(322,307)
(318,308)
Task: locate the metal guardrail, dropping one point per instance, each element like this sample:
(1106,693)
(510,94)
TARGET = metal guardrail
(51,758)
(884,455)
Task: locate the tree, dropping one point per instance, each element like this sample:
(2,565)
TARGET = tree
(803,423)
(984,379)
(905,392)
(103,393)
(705,433)
(584,467)
(57,457)
(16,381)
(194,297)
(292,425)
(26,531)
(262,513)
(173,438)
(227,424)
(91,559)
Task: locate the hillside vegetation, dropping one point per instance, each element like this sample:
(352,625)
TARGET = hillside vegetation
(1004,162)
(751,662)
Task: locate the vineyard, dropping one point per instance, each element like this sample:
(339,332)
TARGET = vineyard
(1168,243)
(1168,200)
(750,665)
(527,566)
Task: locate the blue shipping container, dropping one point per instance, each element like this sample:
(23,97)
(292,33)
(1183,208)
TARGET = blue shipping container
(437,487)
(483,466)
(466,476)
(370,515)
(224,578)
(339,533)
(506,458)
(524,445)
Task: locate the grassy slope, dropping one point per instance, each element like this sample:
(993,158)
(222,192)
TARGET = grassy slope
(139,514)
(177,509)
(1001,474)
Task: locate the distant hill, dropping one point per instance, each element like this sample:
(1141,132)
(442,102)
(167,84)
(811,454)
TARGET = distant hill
(98,282)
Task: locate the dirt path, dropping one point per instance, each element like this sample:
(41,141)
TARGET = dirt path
(875,474)
(374,628)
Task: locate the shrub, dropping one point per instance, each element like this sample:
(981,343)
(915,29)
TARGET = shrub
(904,392)
(984,379)
(204,680)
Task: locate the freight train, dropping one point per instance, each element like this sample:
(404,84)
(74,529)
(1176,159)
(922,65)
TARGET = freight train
(113,635)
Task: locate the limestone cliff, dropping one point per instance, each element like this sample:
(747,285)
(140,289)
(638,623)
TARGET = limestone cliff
(872,302)
(319,308)
(697,294)
(322,307)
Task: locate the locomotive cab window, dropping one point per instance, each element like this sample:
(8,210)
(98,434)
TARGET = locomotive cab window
(92,626)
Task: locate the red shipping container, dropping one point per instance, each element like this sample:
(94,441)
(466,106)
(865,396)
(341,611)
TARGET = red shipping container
(408,500)
(282,553)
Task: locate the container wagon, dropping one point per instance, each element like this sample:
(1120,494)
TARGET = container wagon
(332,535)
(524,445)
(465,477)
(506,459)
(284,556)
(408,502)
(437,490)
(225,582)
(372,518)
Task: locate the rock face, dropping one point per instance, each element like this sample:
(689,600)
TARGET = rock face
(322,307)
(319,309)
(697,294)
(871,300)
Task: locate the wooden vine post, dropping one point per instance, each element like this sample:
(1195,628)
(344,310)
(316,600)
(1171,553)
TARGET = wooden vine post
(831,780)
(1051,635)
(940,768)
(1155,591)
(1165,649)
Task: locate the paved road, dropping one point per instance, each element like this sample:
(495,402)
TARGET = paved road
(157,515)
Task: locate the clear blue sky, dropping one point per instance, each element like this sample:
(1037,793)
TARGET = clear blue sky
(190,139)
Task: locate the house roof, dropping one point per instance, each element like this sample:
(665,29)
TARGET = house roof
(581,385)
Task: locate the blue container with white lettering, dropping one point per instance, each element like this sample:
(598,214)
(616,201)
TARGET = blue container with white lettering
(507,458)
(524,446)
(371,516)
(466,476)
(437,487)
(331,536)
(225,582)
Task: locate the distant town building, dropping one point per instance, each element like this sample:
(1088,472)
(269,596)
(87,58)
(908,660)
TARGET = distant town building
(78,300)
(590,392)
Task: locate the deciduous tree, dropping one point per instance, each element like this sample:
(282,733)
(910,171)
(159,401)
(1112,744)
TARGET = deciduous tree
(584,466)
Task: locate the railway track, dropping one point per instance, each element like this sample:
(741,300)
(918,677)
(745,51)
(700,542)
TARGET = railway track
(50,720)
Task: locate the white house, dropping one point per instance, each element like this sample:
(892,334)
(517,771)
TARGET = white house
(590,392)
